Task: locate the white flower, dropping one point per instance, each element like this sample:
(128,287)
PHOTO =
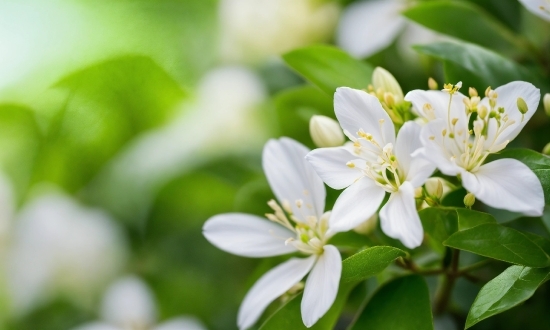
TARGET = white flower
(297,225)
(458,149)
(128,304)
(540,8)
(376,163)
(60,247)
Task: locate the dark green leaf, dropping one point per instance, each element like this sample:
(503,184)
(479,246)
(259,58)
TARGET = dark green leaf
(402,304)
(328,67)
(470,218)
(537,162)
(486,67)
(289,316)
(502,243)
(515,285)
(369,262)
(464,20)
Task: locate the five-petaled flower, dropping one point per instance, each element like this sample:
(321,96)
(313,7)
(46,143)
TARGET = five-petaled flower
(375,163)
(297,224)
(459,144)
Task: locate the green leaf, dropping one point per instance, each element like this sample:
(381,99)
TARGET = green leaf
(441,222)
(328,67)
(369,262)
(515,285)
(486,68)
(402,304)
(537,162)
(104,106)
(502,243)
(289,315)
(476,25)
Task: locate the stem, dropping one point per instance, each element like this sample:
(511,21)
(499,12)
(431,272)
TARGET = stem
(444,295)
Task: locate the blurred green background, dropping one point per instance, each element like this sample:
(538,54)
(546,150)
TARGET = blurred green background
(154,113)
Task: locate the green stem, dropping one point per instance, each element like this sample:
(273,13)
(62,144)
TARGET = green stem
(444,294)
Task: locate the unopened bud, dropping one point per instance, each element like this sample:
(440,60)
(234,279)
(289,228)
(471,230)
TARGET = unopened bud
(546,103)
(367,227)
(487,91)
(382,79)
(418,193)
(469,199)
(434,188)
(432,84)
(472,91)
(389,99)
(522,106)
(325,132)
(546,149)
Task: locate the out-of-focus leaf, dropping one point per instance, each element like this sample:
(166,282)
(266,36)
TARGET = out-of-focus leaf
(537,162)
(465,21)
(106,105)
(515,285)
(290,317)
(487,68)
(502,243)
(369,262)
(328,67)
(19,142)
(402,304)
(294,108)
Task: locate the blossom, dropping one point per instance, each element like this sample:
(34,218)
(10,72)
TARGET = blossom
(541,8)
(457,148)
(376,163)
(298,224)
(129,304)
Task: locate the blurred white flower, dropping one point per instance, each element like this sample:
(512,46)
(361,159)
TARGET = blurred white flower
(129,304)
(301,195)
(253,30)
(224,118)
(541,8)
(367,27)
(60,247)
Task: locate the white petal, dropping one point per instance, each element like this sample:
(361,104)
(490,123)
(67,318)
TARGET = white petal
(330,165)
(439,102)
(321,286)
(368,26)
(97,326)
(417,169)
(356,109)
(181,323)
(270,286)
(127,302)
(355,205)
(506,184)
(507,98)
(434,147)
(247,235)
(399,218)
(291,177)
(540,8)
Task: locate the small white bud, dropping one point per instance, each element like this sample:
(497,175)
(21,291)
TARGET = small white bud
(382,79)
(325,132)
(432,84)
(368,226)
(546,103)
(434,188)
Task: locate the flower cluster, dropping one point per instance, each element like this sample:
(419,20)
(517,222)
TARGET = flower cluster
(396,144)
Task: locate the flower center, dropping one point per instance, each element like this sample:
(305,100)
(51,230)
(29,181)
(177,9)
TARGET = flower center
(310,232)
(468,148)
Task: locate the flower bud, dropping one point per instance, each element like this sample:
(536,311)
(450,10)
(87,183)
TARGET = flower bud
(382,79)
(367,227)
(522,106)
(469,199)
(325,132)
(434,188)
(546,149)
(418,193)
(546,103)
(432,84)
